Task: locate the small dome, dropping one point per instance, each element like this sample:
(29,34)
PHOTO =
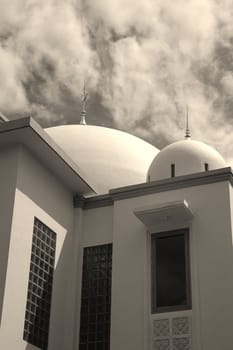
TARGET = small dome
(110,158)
(183,158)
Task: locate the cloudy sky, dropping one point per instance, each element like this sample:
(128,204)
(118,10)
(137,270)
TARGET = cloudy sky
(143,61)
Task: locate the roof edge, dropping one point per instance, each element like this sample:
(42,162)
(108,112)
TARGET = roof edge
(99,201)
(198,179)
(29,122)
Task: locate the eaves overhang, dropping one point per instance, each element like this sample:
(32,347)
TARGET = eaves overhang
(27,132)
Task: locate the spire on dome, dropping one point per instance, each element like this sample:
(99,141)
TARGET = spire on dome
(83,112)
(187,131)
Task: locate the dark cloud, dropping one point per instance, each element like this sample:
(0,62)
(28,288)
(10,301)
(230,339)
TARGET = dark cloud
(142,61)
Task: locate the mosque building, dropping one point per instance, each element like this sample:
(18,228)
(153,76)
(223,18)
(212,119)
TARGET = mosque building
(108,243)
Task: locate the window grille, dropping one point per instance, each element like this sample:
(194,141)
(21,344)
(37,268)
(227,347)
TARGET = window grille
(96,298)
(36,326)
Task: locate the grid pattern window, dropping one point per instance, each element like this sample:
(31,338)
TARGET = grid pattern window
(36,326)
(96,298)
(170,271)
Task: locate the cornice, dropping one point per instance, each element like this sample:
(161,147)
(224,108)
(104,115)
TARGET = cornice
(100,201)
(198,179)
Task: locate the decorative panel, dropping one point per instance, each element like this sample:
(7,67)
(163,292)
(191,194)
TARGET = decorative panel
(172,332)
(162,344)
(161,328)
(180,326)
(181,343)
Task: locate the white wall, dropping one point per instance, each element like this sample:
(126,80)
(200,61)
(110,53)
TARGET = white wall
(38,194)
(8,174)
(211,267)
(97,226)
(214,264)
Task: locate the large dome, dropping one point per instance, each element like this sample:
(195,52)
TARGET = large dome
(110,158)
(185,157)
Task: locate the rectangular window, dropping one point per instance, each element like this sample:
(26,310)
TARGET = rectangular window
(173,170)
(36,326)
(170,271)
(96,298)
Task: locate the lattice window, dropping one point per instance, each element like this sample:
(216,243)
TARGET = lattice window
(36,326)
(96,298)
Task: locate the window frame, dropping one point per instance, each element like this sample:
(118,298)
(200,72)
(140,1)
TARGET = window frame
(161,309)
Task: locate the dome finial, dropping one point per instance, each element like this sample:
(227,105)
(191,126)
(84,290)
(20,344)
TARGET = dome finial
(187,131)
(84,98)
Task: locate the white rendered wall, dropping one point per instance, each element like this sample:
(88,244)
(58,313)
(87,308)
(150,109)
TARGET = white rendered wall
(97,226)
(211,267)
(214,264)
(38,194)
(8,173)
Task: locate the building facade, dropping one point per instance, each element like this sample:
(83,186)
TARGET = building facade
(138,260)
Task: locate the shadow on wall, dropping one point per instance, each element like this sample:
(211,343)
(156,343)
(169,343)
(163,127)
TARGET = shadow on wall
(50,195)
(44,189)
(8,160)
